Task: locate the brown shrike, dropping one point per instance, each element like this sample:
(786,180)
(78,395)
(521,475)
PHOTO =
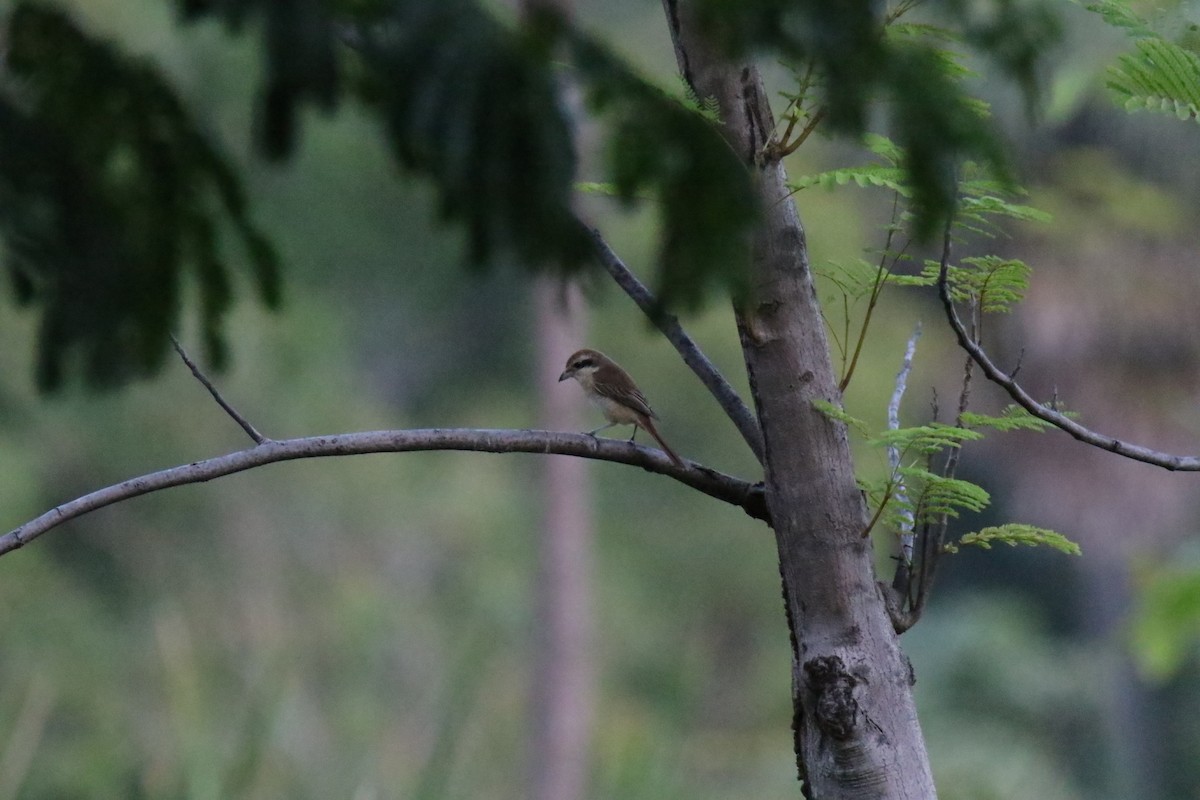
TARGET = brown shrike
(610,388)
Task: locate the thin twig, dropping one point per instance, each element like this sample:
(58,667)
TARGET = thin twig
(787,148)
(881,275)
(933,533)
(250,430)
(748,496)
(668,324)
(993,373)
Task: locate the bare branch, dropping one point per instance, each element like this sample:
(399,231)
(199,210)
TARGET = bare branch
(906,533)
(747,496)
(725,394)
(230,410)
(1016,392)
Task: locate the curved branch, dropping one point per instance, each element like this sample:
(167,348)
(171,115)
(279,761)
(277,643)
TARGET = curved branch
(1026,401)
(735,408)
(747,496)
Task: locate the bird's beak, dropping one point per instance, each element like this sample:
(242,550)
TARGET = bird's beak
(565,374)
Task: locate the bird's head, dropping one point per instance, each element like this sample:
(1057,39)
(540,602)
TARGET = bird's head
(583,364)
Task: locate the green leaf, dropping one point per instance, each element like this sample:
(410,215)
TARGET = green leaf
(112,204)
(938,495)
(1012,418)
(1014,534)
(880,175)
(992,283)
(659,145)
(912,79)
(924,439)
(474,105)
(855,279)
(301,65)
(1120,14)
(836,413)
(1158,76)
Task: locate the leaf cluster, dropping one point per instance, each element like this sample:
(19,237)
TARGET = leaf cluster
(1013,534)
(473,104)
(917,495)
(992,284)
(1160,74)
(301,66)
(111,201)
(109,186)
(909,73)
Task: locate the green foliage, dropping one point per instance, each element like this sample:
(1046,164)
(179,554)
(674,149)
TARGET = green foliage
(1166,625)
(111,203)
(992,283)
(1013,534)
(913,494)
(939,496)
(909,71)
(929,494)
(924,439)
(880,175)
(1012,418)
(839,414)
(984,204)
(301,65)
(474,106)
(1160,75)
(989,283)
(658,144)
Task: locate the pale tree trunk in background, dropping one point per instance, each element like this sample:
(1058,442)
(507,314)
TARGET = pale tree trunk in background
(563,679)
(856,728)
(562,674)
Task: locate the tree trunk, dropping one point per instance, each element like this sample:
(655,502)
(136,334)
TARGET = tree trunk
(856,728)
(563,679)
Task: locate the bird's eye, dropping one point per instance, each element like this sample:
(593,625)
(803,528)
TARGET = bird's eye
(583,362)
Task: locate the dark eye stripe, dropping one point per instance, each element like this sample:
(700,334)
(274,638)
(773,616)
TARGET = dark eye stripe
(583,362)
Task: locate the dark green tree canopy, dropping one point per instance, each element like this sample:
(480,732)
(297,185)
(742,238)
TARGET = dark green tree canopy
(113,201)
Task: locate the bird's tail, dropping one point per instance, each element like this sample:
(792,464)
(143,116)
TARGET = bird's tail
(646,423)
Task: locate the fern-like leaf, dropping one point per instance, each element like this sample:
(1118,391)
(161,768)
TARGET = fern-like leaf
(1160,76)
(940,495)
(1014,534)
(993,283)
(880,175)
(925,439)
(855,279)
(1012,418)
(835,413)
(1120,15)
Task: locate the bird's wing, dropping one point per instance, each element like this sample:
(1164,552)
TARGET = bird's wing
(630,397)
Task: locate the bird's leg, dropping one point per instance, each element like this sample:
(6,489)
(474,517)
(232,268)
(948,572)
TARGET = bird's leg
(601,428)
(633,436)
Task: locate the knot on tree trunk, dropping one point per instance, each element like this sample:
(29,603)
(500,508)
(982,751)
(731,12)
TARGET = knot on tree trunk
(835,709)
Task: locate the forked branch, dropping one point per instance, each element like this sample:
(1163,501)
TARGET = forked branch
(735,408)
(1025,400)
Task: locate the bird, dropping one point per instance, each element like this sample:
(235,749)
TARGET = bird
(610,388)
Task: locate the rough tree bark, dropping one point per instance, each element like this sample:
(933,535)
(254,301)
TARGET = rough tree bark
(856,728)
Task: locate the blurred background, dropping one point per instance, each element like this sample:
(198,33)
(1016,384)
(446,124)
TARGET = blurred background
(368,627)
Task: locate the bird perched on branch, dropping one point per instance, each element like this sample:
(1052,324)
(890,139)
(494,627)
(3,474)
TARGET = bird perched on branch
(610,388)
